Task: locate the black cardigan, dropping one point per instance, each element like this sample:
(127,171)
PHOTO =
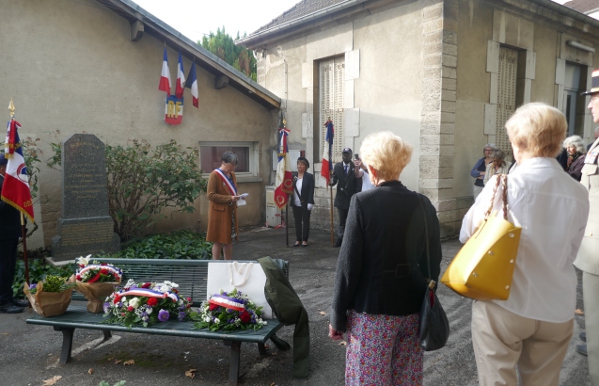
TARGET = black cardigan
(382,264)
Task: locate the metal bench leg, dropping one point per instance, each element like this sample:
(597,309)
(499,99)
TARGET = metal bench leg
(107,334)
(235,361)
(262,348)
(67,343)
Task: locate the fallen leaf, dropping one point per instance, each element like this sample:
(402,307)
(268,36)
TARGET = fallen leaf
(579,311)
(109,359)
(343,343)
(118,361)
(322,313)
(191,373)
(130,362)
(90,371)
(52,381)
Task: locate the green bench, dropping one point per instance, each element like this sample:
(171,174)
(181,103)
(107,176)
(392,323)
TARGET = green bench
(191,275)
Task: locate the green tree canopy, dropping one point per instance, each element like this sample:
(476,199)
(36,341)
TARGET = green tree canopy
(223,46)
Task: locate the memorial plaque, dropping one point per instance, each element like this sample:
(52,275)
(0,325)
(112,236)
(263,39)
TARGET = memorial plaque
(85,225)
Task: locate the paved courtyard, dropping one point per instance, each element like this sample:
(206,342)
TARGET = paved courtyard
(29,354)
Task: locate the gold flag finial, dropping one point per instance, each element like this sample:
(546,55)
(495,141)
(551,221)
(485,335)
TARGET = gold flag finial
(11,108)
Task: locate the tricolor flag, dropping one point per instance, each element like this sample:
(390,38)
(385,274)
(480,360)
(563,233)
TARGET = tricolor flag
(192,83)
(180,79)
(15,189)
(284,181)
(165,76)
(327,152)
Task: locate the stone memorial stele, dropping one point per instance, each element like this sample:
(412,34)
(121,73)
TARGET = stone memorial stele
(85,226)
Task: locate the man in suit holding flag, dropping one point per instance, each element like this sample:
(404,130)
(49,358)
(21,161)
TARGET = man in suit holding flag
(10,231)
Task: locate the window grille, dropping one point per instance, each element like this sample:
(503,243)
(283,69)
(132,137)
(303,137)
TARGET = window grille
(506,95)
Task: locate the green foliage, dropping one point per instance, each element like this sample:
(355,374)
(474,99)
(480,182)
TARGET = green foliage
(223,46)
(54,284)
(183,245)
(119,383)
(142,182)
(39,270)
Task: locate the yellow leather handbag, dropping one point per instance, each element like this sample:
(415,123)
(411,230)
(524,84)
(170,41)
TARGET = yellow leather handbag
(484,267)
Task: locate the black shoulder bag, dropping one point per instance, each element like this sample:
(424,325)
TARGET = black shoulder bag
(433,330)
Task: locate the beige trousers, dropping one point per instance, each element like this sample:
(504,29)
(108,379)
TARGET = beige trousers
(502,340)
(590,289)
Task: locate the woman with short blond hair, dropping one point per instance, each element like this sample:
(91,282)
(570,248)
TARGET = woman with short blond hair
(382,270)
(528,334)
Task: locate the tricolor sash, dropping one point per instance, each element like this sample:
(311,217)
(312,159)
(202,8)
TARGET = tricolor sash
(146,292)
(227,182)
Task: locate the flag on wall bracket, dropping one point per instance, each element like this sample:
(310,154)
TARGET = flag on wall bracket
(192,83)
(165,76)
(173,110)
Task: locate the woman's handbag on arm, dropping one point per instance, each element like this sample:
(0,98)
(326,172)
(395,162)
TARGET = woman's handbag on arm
(484,267)
(433,330)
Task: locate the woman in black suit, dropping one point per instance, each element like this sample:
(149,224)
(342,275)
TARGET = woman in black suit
(302,201)
(382,271)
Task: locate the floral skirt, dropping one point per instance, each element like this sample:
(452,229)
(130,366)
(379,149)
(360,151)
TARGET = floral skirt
(383,350)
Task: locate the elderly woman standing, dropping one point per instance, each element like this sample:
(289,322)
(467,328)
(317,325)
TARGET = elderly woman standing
(529,332)
(576,150)
(222,214)
(302,201)
(382,271)
(498,166)
(480,168)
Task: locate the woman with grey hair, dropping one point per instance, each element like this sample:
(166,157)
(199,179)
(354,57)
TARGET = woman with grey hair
(498,166)
(480,168)
(222,213)
(574,145)
(383,271)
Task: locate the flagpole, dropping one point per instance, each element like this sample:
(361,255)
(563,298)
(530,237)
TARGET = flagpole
(25,257)
(286,227)
(332,228)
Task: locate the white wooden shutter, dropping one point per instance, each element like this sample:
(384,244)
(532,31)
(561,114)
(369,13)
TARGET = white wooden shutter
(506,95)
(331,101)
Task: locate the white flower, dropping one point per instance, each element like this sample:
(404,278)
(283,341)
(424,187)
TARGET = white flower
(134,302)
(149,310)
(83,260)
(207,319)
(130,283)
(124,299)
(216,320)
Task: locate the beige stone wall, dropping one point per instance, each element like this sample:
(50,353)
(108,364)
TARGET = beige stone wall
(71,67)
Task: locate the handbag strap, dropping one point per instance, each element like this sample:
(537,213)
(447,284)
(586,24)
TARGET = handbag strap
(501,180)
(431,283)
(244,269)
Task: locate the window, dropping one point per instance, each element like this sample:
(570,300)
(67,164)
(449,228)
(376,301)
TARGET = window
(211,152)
(331,78)
(506,95)
(574,104)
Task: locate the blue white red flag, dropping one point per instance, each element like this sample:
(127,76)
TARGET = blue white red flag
(192,83)
(284,181)
(180,79)
(327,152)
(15,189)
(165,76)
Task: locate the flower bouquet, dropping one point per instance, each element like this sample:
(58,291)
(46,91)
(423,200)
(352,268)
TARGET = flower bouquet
(96,281)
(50,297)
(146,304)
(229,311)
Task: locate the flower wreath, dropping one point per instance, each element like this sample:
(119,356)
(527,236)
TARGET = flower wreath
(229,311)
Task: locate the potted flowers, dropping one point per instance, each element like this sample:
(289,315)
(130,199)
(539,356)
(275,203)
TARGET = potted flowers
(229,311)
(96,281)
(51,296)
(146,304)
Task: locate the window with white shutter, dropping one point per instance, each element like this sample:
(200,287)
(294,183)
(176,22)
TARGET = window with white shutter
(331,78)
(506,95)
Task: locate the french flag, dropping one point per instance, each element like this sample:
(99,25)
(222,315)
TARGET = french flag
(165,76)
(327,152)
(180,79)
(15,189)
(192,83)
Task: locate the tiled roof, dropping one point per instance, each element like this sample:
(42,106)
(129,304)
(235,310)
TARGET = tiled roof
(583,6)
(303,8)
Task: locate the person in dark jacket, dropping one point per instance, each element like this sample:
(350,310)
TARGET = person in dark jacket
(302,201)
(10,231)
(576,152)
(349,182)
(382,271)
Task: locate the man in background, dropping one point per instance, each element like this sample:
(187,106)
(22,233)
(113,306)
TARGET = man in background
(347,178)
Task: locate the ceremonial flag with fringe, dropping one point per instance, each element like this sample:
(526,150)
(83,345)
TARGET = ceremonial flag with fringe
(180,79)
(15,189)
(284,181)
(327,152)
(165,76)
(192,83)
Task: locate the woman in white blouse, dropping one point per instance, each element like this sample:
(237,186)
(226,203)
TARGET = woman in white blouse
(529,332)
